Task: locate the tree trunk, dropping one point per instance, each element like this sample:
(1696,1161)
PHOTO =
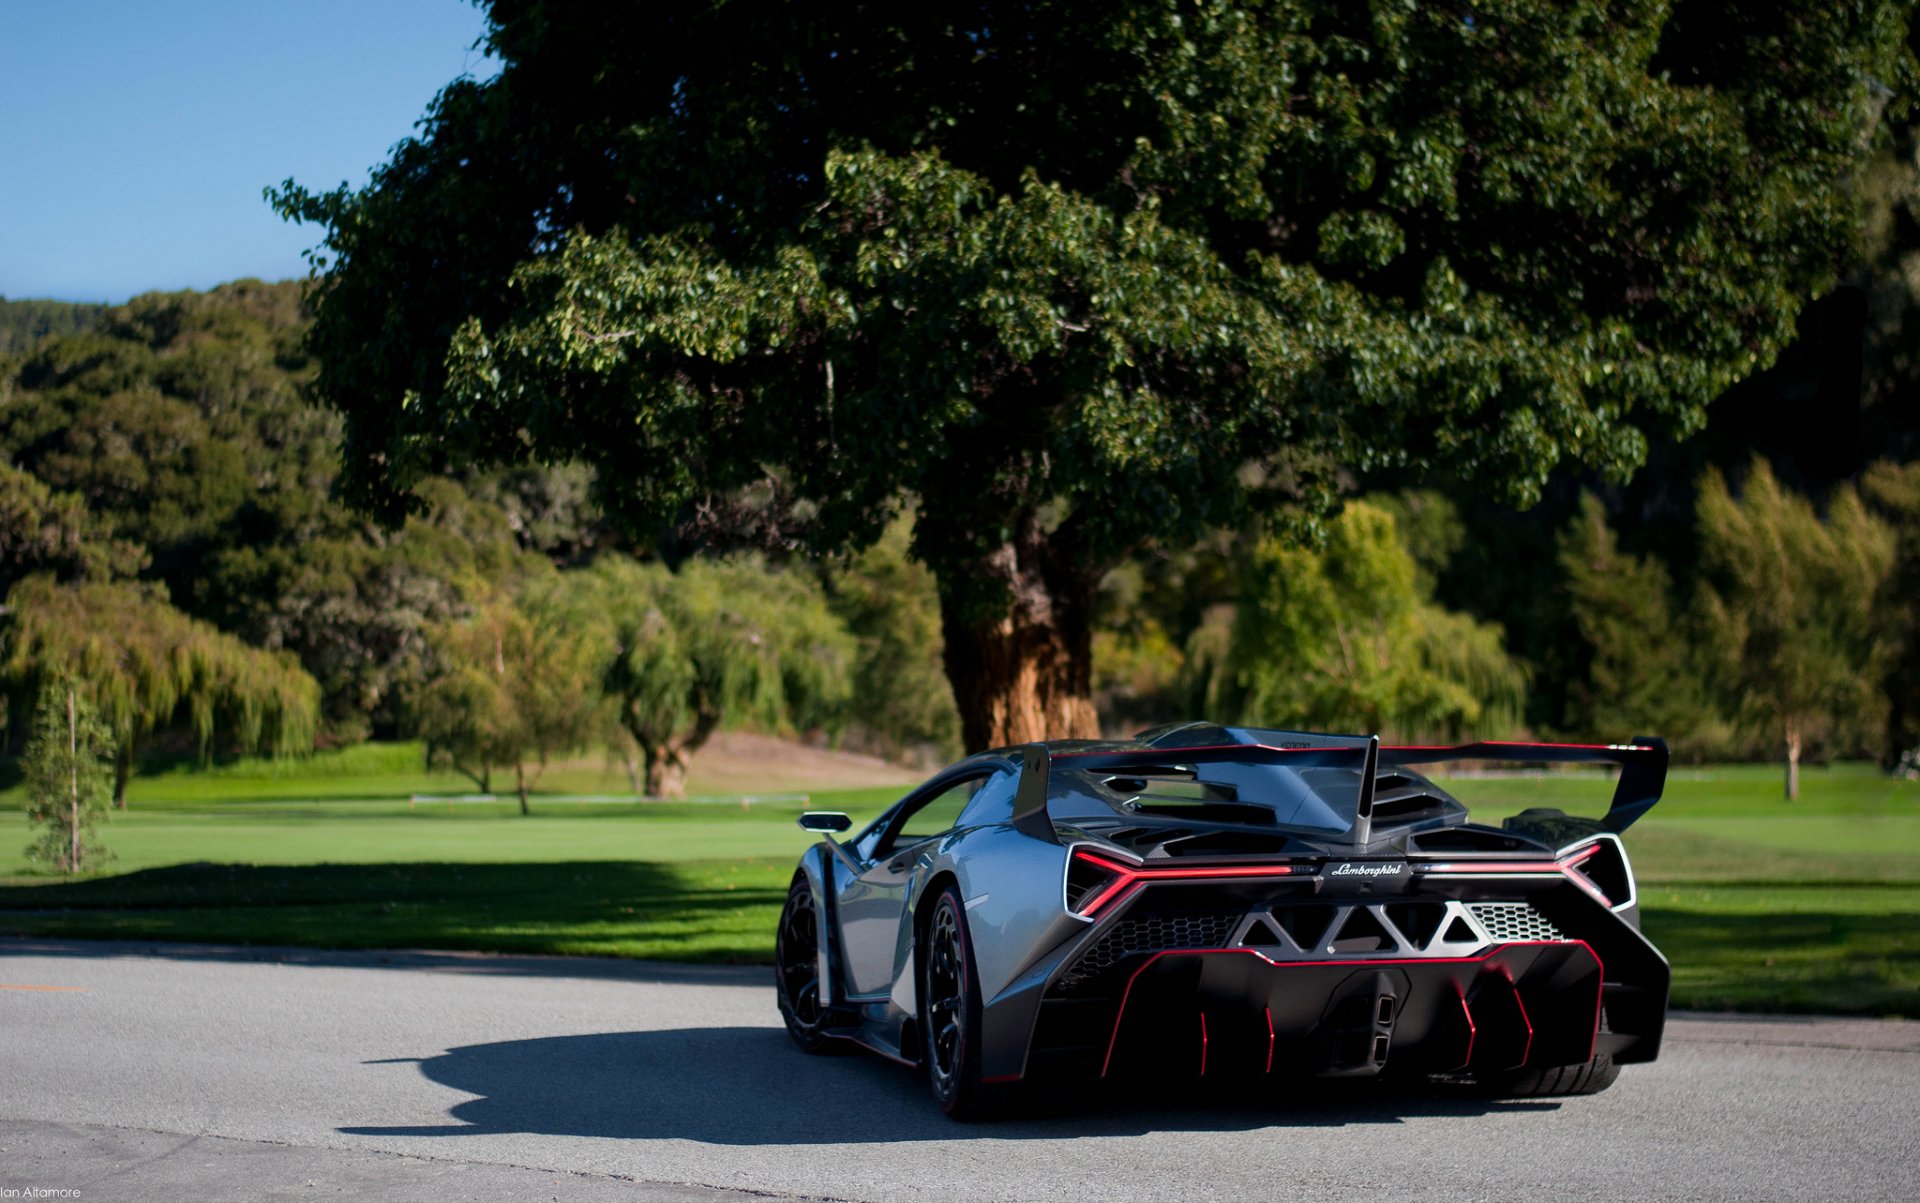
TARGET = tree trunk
(633,768)
(1026,673)
(1793,764)
(666,767)
(520,784)
(122,769)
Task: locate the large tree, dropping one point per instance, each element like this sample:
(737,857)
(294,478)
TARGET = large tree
(1082,276)
(1793,605)
(684,653)
(517,686)
(147,668)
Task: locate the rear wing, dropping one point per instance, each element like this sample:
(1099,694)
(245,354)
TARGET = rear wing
(1642,761)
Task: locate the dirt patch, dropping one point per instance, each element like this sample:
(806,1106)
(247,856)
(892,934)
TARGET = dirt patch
(737,762)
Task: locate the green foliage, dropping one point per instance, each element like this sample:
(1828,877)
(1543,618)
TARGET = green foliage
(25,323)
(1791,605)
(1344,638)
(144,665)
(1084,277)
(890,605)
(45,531)
(517,686)
(1639,677)
(69,777)
(1893,491)
(714,643)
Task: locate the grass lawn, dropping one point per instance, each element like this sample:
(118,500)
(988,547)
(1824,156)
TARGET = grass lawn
(1761,904)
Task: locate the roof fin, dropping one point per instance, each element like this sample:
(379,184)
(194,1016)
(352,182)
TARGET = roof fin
(1363,805)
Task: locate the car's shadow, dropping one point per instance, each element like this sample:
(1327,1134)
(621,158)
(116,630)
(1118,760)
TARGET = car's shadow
(749,1086)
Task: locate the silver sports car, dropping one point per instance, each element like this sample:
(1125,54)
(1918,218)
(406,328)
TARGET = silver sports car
(1227,904)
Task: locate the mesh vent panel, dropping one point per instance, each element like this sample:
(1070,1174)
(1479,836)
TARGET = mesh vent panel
(1149,933)
(1507,921)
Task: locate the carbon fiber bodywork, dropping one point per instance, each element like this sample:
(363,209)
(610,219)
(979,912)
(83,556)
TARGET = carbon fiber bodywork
(1241,903)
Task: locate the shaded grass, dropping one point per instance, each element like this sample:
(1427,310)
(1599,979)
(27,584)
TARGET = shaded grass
(1817,948)
(715,910)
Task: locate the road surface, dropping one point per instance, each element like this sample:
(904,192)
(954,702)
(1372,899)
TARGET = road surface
(149,1071)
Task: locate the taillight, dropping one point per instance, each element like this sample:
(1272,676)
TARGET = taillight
(1095,882)
(1601,868)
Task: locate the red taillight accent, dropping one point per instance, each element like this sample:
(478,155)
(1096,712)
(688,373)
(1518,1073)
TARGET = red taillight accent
(1568,868)
(1269,1011)
(1203,1044)
(1126,877)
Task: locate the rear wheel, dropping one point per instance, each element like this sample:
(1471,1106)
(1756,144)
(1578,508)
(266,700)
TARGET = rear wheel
(1590,1078)
(950,1014)
(796,959)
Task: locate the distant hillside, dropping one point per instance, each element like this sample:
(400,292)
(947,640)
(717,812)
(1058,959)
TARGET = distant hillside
(24,323)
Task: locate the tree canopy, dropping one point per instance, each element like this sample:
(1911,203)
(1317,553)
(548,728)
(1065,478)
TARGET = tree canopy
(1791,600)
(142,664)
(1346,638)
(1080,277)
(715,643)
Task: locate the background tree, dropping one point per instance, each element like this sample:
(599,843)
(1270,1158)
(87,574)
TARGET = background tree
(1791,602)
(517,687)
(891,607)
(67,777)
(45,531)
(1344,638)
(147,667)
(24,323)
(1893,490)
(1638,678)
(1083,277)
(714,643)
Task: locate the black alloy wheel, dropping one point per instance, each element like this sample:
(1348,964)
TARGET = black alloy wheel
(796,958)
(950,1014)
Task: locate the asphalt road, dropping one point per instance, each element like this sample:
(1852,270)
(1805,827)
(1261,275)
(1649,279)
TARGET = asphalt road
(143,1071)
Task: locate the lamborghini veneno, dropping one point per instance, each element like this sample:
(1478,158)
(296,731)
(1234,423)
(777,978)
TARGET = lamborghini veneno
(1228,904)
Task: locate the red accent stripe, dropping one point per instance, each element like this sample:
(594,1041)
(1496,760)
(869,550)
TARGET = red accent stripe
(1174,753)
(1203,1044)
(1515,743)
(1165,753)
(1472,1031)
(1568,868)
(1526,1050)
(1126,877)
(1269,1011)
(1127,994)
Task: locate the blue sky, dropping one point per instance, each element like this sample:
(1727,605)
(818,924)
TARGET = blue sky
(135,137)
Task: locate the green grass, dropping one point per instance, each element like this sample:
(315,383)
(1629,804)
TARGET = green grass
(1760,903)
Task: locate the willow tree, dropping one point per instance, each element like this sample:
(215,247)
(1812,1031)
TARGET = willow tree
(145,667)
(1348,637)
(515,687)
(1792,599)
(1080,276)
(715,643)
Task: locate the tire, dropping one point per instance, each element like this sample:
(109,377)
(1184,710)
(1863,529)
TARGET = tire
(950,1014)
(796,972)
(1591,1077)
